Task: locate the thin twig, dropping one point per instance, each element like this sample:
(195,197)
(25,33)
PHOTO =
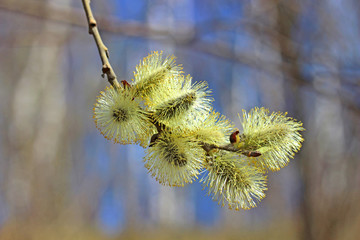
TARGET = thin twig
(103,50)
(230,148)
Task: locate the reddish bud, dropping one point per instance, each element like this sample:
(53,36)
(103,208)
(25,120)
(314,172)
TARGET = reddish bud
(125,84)
(234,137)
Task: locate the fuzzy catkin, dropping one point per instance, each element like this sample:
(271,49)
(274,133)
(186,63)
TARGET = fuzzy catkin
(276,136)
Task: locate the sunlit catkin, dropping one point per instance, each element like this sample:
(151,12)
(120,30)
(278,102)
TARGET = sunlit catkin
(120,118)
(174,105)
(214,129)
(174,160)
(232,182)
(152,72)
(276,136)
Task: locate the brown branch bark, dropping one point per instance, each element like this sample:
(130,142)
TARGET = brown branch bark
(230,148)
(103,50)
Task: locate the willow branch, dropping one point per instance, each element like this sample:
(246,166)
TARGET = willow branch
(103,50)
(107,69)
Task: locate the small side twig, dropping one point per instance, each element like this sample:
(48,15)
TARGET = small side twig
(230,148)
(103,50)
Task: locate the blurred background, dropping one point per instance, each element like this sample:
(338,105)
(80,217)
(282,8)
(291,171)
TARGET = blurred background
(60,179)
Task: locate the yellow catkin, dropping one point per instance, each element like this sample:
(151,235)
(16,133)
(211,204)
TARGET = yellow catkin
(152,72)
(174,160)
(175,104)
(232,182)
(276,136)
(120,118)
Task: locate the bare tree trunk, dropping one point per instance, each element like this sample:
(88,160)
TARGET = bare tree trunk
(37,113)
(286,23)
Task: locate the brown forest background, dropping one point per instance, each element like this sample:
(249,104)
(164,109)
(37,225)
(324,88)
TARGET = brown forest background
(297,56)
